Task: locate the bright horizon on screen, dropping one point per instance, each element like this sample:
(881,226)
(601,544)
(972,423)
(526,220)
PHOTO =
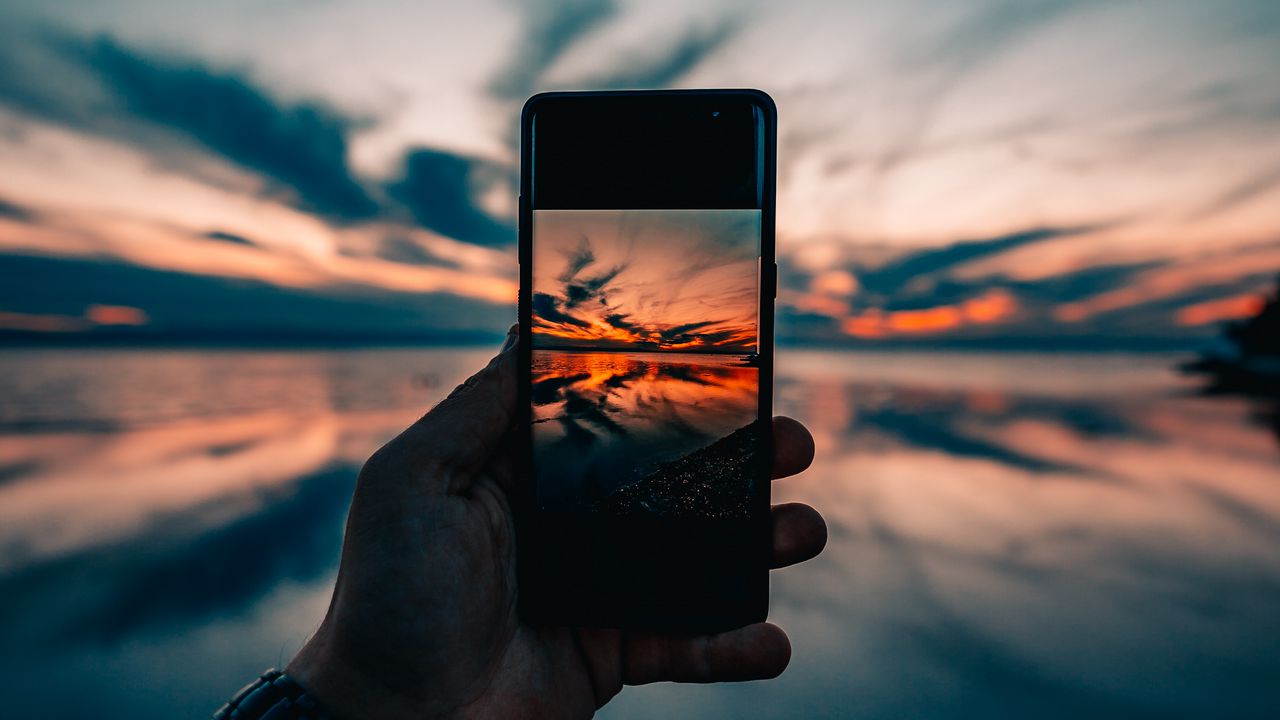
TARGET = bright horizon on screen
(646,280)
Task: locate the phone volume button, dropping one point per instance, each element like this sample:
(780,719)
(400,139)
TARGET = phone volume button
(524,226)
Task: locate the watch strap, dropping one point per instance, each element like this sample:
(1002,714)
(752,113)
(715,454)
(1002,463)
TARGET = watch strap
(273,696)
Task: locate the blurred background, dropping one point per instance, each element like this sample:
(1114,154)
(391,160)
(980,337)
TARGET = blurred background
(243,243)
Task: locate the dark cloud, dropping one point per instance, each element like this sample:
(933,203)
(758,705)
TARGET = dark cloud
(577,259)
(548,308)
(685,332)
(894,275)
(665,69)
(551,29)
(799,326)
(39,78)
(105,88)
(409,252)
(579,290)
(1080,284)
(1257,282)
(927,279)
(226,237)
(947,289)
(623,322)
(439,189)
(593,288)
(301,146)
(730,339)
(10,211)
(201,305)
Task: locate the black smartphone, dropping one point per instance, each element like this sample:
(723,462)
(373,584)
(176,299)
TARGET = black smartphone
(647,283)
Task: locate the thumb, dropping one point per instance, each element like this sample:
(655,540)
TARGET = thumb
(466,429)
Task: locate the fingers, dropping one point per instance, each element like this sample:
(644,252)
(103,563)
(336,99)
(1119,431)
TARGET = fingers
(792,447)
(755,652)
(799,534)
(513,337)
(467,427)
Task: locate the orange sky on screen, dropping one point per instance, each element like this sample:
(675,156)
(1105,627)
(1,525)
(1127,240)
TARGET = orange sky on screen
(670,280)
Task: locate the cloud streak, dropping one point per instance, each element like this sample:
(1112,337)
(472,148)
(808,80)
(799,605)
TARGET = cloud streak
(301,146)
(300,149)
(10,211)
(667,67)
(551,28)
(439,189)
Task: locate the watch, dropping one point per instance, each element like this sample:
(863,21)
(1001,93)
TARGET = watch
(273,696)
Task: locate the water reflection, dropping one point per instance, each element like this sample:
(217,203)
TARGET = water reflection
(1011,535)
(604,420)
(156,504)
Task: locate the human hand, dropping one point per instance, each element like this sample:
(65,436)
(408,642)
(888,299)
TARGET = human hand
(423,620)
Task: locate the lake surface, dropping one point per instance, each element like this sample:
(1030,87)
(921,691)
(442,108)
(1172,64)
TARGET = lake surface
(604,420)
(1011,535)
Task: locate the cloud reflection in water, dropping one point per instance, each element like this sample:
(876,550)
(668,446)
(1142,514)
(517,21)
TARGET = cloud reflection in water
(1022,535)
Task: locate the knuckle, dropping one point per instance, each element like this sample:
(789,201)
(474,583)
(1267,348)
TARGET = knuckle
(377,465)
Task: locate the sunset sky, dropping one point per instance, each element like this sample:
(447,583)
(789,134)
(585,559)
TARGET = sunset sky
(673,280)
(1028,171)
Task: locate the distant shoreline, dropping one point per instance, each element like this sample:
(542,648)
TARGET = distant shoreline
(722,353)
(241,341)
(10,339)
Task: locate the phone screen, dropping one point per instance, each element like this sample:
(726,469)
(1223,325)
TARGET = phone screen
(648,244)
(645,386)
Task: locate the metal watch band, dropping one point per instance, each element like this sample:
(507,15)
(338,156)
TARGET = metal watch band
(273,696)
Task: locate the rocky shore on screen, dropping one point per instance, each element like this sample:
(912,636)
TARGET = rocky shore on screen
(712,482)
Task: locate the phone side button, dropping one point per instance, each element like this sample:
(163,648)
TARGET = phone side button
(522,219)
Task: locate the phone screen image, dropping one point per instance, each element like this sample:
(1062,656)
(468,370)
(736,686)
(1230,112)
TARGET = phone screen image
(645,351)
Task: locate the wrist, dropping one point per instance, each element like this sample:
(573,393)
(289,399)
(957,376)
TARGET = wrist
(345,689)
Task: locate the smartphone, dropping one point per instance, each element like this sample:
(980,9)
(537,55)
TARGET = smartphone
(647,284)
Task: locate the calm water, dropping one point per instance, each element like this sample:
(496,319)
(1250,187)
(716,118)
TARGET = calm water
(1011,535)
(603,420)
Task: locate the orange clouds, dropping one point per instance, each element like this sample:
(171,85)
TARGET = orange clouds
(1230,308)
(593,331)
(834,282)
(991,307)
(93,315)
(829,294)
(40,323)
(603,334)
(1168,281)
(821,305)
(115,315)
